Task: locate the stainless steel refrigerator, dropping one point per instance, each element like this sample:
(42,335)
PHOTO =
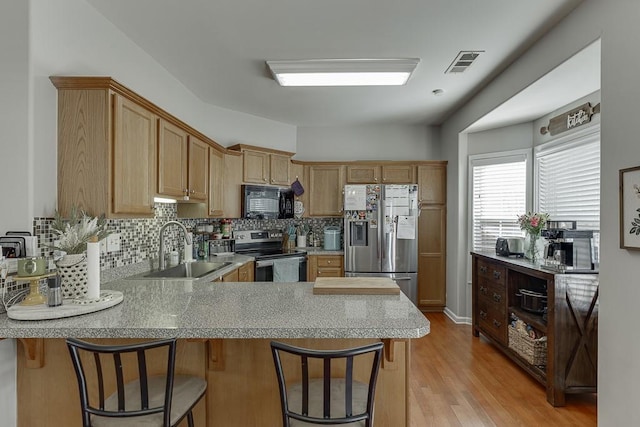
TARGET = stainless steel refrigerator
(381,234)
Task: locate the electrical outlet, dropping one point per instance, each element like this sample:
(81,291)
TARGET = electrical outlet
(113,242)
(103,246)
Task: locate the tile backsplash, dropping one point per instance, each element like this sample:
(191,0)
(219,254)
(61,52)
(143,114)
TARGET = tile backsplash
(139,239)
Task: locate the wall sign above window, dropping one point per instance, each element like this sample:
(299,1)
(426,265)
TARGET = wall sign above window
(571,119)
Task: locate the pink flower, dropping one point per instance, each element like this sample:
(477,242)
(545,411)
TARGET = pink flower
(534,221)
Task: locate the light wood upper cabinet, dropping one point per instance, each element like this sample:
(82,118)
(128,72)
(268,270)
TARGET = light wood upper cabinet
(263,165)
(398,174)
(198,169)
(106,152)
(432,183)
(363,174)
(380,174)
(256,167)
(133,158)
(183,163)
(232,184)
(216,182)
(326,183)
(173,148)
(279,167)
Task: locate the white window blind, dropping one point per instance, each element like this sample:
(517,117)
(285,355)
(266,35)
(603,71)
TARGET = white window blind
(568,180)
(499,193)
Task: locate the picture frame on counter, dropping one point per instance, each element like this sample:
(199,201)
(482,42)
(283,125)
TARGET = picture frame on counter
(630,208)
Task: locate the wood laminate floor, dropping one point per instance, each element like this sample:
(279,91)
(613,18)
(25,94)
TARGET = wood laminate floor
(459,380)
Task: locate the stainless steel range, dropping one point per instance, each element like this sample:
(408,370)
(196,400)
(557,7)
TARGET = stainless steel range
(272,262)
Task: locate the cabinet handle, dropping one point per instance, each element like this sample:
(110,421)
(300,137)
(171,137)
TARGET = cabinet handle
(496,274)
(192,191)
(375,179)
(496,323)
(497,297)
(483,269)
(328,261)
(483,289)
(483,314)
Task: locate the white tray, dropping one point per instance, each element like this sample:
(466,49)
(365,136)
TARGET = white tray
(69,307)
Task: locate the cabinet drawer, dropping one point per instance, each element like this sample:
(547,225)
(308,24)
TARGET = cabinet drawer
(494,295)
(334,261)
(492,321)
(329,272)
(492,272)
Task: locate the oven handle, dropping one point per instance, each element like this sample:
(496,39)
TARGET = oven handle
(269,263)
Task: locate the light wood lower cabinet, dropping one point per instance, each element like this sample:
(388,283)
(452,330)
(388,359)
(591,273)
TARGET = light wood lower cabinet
(432,258)
(246,272)
(324,266)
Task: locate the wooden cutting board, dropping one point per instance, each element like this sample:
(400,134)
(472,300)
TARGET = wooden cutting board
(355,286)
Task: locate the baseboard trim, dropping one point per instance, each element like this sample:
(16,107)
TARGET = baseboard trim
(459,320)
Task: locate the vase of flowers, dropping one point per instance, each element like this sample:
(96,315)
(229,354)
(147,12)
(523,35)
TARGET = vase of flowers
(71,237)
(532,223)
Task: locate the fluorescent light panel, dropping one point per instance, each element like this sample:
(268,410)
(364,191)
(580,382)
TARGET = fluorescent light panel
(343,72)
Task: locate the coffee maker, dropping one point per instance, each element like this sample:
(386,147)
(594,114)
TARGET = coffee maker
(569,250)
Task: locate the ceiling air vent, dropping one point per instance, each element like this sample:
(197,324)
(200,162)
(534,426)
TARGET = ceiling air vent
(463,61)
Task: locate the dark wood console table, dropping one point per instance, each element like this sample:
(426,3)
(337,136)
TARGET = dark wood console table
(571,323)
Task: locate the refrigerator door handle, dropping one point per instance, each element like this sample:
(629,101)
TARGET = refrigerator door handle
(402,278)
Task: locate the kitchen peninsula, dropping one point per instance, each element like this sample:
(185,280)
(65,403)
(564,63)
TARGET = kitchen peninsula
(224,330)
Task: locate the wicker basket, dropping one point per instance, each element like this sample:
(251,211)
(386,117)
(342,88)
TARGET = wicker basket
(533,350)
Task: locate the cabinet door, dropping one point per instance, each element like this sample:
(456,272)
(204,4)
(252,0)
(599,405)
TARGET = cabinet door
(134,141)
(256,167)
(245,272)
(431,258)
(279,169)
(216,182)
(398,174)
(232,185)
(325,185)
(232,276)
(198,169)
(363,174)
(432,184)
(172,160)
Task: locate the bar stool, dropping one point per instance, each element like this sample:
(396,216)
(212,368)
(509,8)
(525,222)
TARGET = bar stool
(326,400)
(162,400)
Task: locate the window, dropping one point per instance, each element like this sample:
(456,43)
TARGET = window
(499,195)
(568,179)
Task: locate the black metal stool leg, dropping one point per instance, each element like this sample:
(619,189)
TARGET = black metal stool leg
(190,419)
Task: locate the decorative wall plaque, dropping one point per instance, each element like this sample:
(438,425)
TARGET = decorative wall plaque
(571,119)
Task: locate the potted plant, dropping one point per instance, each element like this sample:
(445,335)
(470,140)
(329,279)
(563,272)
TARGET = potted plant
(71,237)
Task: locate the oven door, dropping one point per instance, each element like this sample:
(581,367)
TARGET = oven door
(265,269)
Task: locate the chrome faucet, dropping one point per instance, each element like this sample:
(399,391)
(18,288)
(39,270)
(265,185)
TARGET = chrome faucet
(162,263)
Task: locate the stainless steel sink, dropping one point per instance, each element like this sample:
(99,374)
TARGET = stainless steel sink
(190,270)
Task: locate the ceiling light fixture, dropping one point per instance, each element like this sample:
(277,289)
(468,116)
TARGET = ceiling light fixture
(343,72)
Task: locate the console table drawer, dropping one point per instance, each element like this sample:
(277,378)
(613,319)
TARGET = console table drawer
(492,272)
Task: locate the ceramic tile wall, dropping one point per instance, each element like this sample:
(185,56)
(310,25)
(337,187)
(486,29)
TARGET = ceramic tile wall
(139,238)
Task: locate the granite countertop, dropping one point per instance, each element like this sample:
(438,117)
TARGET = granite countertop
(523,262)
(204,309)
(320,251)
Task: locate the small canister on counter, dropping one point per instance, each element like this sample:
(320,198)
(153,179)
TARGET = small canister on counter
(54,295)
(226,228)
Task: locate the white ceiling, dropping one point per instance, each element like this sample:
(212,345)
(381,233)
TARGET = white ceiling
(218,49)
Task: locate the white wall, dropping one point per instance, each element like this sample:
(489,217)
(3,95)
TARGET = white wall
(14,143)
(507,138)
(370,142)
(615,22)
(69,37)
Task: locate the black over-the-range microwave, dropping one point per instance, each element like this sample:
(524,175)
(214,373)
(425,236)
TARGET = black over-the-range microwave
(267,202)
